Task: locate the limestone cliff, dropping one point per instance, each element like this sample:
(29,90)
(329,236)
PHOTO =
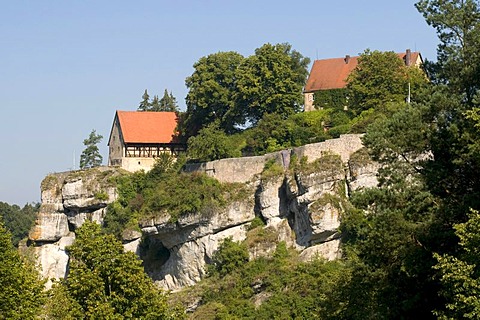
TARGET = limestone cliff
(299,195)
(68,199)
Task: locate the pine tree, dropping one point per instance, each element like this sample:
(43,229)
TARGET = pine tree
(91,157)
(168,102)
(145,104)
(155,105)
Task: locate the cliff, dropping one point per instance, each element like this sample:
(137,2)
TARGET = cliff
(298,195)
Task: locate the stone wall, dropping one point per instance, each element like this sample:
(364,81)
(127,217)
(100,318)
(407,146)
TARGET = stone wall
(246,169)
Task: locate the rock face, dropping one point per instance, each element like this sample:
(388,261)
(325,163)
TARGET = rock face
(298,194)
(68,199)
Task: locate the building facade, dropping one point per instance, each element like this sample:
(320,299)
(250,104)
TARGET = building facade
(137,138)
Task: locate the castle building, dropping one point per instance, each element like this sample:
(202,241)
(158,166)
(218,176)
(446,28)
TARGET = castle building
(328,74)
(138,137)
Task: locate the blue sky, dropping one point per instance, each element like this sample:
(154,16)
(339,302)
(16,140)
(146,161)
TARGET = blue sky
(66,66)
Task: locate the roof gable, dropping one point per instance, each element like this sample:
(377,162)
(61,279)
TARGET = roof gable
(147,127)
(329,74)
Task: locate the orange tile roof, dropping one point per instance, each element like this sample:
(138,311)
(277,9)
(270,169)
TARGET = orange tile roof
(147,127)
(332,73)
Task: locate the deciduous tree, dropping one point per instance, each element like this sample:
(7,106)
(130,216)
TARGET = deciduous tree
(380,79)
(211,92)
(271,81)
(109,283)
(22,293)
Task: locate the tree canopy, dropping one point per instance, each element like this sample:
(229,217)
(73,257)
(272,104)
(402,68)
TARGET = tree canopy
(167,103)
(271,81)
(22,293)
(380,79)
(18,220)
(236,91)
(211,95)
(107,283)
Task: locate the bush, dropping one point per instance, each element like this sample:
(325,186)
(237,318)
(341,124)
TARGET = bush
(229,256)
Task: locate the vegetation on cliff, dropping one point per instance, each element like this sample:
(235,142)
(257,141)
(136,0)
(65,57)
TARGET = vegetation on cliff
(105,282)
(166,191)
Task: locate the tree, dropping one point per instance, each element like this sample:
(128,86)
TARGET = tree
(229,256)
(380,79)
(91,157)
(271,81)
(155,104)
(212,87)
(457,23)
(145,104)
(168,102)
(108,283)
(22,292)
(454,140)
(460,275)
(18,221)
(211,143)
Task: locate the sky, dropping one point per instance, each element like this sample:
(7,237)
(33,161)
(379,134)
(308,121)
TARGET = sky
(67,66)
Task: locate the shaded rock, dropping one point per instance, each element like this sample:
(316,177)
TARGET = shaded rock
(54,259)
(49,227)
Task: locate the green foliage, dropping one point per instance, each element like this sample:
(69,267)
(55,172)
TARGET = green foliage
(460,275)
(211,143)
(22,293)
(279,287)
(145,103)
(211,93)
(273,133)
(168,102)
(272,169)
(331,99)
(101,195)
(91,157)
(457,26)
(229,256)
(379,79)
(256,222)
(155,104)
(233,91)
(108,283)
(271,81)
(165,191)
(60,305)
(18,220)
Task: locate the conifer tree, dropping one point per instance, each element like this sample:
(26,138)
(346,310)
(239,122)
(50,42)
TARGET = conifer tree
(168,102)
(155,105)
(145,104)
(91,157)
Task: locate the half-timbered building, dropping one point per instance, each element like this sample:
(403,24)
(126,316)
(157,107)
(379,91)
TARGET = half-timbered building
(138,137)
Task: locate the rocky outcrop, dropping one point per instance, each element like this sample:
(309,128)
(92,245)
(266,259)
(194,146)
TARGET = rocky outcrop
(298,195)
(68,199)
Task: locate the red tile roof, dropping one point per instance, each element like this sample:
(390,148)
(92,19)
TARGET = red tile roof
(147,127)
(332,73)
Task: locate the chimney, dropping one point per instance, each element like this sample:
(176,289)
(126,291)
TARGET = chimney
(347,59)
(408,58)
